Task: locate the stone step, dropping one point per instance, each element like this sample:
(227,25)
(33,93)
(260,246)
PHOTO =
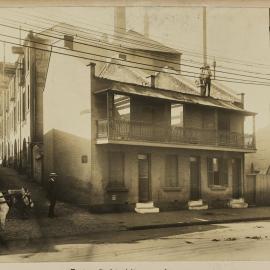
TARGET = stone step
(199,207)
(240,200)
(145,205)
(237,203)
(147,210)
(195,203)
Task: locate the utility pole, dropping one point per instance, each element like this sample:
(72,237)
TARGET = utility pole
(4,151)
(269,26)
(20,35)
(214,67)
(204,37)
(4,59)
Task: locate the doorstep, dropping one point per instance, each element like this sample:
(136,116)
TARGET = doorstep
(146,208)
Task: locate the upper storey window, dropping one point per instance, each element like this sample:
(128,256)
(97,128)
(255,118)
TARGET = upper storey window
(177,115)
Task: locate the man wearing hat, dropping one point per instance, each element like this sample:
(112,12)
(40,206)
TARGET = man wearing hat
(52,193)
(202,81)
(208,75)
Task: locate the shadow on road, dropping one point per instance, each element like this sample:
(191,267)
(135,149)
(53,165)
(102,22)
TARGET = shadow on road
(30,247)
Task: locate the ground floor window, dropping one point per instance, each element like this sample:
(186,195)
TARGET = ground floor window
(217,171)
(171,171)
(116,168)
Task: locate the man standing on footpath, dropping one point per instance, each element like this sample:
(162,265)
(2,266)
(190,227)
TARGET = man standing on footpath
(52,193)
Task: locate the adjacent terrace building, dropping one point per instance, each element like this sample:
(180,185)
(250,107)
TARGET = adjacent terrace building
(22,107)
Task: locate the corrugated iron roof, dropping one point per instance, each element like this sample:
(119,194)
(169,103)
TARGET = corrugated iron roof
(189,86)
(175,96)
(177,82)
(123,74)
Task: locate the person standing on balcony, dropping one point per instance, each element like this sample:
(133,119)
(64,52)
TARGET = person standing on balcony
(202,81)
(208,75)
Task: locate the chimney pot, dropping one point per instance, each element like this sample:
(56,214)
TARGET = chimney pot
(153,81)
(119,20)
(92,69)
(68,41)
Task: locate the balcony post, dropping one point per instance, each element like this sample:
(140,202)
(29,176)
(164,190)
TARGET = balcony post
(216,127)
(254,132)
(108,113)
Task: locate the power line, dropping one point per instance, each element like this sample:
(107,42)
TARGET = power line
(161,60)
(231,68)
(119,64)
(114,37)
(217,70)
(196,53)
(133,62)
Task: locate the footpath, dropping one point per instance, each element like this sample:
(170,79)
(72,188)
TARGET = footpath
(75,221)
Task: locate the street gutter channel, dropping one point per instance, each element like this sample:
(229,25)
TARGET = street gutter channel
(186,224)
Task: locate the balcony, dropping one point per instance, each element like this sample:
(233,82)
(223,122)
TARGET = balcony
(141,133)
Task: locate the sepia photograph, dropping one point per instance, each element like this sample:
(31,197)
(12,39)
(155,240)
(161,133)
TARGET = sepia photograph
(134,132)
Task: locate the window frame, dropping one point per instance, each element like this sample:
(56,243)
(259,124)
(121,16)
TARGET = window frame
(223,169)
(24,106)
(28,97)
(111,159)
(168,179)
(181,116)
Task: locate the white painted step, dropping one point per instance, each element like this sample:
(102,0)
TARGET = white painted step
(237,203)
(240,200)
(145,205)
(201,207)
(195,203)
(147,210)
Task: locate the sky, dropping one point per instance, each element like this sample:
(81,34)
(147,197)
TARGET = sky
(232,33)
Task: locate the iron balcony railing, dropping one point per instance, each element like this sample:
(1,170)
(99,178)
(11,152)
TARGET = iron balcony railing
(142,131)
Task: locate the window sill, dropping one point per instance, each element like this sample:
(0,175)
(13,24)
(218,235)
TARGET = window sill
(218,187)
(172,188)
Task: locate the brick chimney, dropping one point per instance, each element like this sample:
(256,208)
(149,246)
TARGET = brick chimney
(152,80)
(119,20)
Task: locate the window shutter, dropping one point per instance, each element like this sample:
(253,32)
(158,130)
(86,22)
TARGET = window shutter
(210,171)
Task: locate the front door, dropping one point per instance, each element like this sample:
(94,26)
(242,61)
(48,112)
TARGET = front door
(144,178)
(236,178)
(195,189)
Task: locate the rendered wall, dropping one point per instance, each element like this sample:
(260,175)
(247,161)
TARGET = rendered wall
(67,128)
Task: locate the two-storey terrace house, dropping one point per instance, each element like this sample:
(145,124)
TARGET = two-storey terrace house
(118,138)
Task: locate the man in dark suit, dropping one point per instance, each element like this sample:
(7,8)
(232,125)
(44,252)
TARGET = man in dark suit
(208,75)
(52,194)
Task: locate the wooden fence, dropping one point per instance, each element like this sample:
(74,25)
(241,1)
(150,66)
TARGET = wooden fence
(257,189)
